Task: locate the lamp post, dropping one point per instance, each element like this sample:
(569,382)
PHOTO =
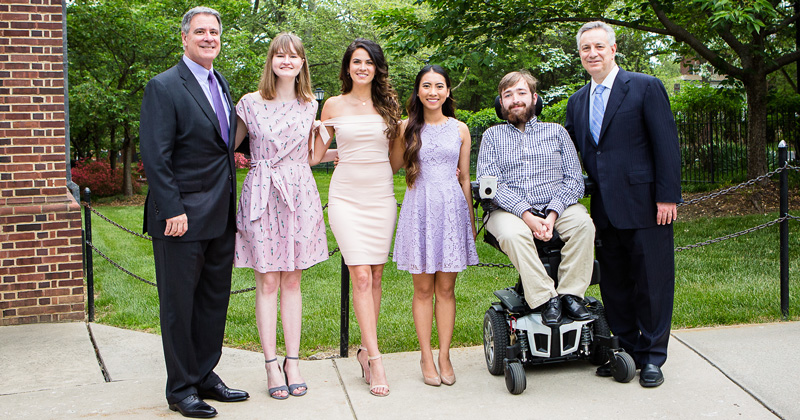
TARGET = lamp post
(319,94)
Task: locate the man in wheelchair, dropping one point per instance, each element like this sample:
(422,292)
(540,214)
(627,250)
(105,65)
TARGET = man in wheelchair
(539,182)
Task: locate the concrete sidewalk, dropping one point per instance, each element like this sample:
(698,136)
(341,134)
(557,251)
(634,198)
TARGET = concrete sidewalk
(51,371)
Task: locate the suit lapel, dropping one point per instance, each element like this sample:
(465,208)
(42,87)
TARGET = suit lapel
(618,93)
(583,115)
(191,85)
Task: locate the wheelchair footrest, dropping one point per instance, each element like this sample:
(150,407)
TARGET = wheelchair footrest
(511,300)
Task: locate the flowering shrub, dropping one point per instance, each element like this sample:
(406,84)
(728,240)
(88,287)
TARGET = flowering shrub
(98,177)
(140,169)
(241,161)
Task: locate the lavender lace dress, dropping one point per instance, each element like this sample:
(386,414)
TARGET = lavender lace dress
(434,232)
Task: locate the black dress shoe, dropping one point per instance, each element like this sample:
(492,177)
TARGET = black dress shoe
(222,393)
(574,308)
(604,370)
(193,406)
(551,314)
(650,376)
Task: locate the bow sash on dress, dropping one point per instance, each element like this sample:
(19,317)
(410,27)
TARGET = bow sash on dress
(265,173)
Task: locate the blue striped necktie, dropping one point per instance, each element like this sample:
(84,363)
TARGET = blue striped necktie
(598,108)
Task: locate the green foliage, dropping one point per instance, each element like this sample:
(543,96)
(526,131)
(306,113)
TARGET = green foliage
(703,98)
(556,113)
(464,115)
(483,119)
(744,40)
(779,103)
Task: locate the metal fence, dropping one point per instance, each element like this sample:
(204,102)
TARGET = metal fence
(714,145)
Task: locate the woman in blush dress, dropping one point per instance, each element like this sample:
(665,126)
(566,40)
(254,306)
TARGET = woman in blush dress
(362,208)
(436,229)
(281,230)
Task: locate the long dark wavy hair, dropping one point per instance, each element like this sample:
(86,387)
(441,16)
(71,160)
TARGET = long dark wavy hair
(384,97)
(416,120)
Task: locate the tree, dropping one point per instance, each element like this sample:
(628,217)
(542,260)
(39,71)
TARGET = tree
(109,65)
(746,39)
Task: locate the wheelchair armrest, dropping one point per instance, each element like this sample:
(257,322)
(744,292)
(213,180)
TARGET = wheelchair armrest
(589,186)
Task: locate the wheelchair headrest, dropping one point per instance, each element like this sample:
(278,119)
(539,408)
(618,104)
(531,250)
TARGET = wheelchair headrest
(498,106)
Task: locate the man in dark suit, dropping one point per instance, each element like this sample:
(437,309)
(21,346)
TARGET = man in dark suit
(187,134)
(623,127)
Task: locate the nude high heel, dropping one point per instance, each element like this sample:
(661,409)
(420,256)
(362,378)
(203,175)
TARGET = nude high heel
(432,381)
(364,366)
(372,387)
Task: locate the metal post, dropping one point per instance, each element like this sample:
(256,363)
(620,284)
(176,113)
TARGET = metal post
(711,153)
(87,219)
(344,334)
(783,150)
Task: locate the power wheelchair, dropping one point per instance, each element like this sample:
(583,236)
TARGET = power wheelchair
(513,333)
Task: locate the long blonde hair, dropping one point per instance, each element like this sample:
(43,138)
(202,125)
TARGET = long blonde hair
(283,42)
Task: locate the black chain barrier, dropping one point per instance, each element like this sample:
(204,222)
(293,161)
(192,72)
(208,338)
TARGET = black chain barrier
(115,264)
(89,206)
(734,235)
(499,265)
(735,187)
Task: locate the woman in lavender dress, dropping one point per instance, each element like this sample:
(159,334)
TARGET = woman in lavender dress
(280,227)
(436,231)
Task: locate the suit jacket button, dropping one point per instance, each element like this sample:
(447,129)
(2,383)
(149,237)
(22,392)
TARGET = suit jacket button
(598,152)
(229,178)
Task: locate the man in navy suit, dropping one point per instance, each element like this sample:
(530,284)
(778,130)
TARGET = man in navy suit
(187,133)
(623,127)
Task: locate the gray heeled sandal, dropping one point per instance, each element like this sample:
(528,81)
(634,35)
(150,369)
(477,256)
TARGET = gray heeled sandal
(273,390)
(293,387)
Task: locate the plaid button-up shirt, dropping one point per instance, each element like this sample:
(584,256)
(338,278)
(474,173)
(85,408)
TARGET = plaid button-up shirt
(535,169)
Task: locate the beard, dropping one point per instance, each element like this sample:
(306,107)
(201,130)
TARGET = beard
(518,115)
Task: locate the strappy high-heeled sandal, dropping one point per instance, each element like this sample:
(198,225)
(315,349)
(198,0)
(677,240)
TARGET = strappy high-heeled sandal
(293,387)
(372,387)
(273,390)
(365,373)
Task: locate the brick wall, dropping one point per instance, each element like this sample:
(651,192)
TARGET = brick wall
(41,278)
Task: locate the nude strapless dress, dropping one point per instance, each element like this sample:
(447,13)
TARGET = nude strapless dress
(362,209)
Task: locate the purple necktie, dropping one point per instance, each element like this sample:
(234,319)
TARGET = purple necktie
(219,109)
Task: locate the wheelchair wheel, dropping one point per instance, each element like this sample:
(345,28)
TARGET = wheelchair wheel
(599,354)
(624,368)
(495,340)
(515,378)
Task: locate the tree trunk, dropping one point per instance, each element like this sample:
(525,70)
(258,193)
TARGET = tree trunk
(96,142)
(756,89)
(127,155)
(112,151)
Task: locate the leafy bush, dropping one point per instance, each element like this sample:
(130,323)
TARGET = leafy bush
(556,113)
(140,170)
(483,119)
(464,115)
(778,103)
(97,175)
(703,98)
(241,161)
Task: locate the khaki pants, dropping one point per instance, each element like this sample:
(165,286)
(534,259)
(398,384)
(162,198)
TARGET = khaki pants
(577,257)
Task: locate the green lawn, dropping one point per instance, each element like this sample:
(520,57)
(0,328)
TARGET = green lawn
(736,281)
